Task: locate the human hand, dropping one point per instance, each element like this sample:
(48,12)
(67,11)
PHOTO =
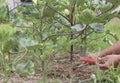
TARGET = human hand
(110,60)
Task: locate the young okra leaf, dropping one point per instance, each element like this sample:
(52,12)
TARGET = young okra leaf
(29,43)
(87,16)
(98,27)
(77,27)
(27,68)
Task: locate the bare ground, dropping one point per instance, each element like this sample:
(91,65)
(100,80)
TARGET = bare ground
(59,70)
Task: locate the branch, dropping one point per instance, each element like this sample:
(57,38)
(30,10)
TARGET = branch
(11,52)
(72,13)
(62,23)
(15,7)
(106,11)
(58,13)
(63,34)
(43,10)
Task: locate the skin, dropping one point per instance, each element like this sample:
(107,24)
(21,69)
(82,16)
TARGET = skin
(110,60)
(110,56)
(114,49)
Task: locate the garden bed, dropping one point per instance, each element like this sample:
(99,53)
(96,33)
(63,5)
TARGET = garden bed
(60,70)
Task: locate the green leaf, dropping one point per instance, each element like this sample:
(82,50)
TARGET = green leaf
(98,27)
(43,57)
(10,44)
(26,68)
(104,7)
(87,16)
(49,13)
(28,42)
(80,2)
(6,32)
(77,27)
(104,17)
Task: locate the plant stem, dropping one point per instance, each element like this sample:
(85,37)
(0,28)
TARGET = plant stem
(83,42)
(71,49)
(72,35)
(41,38)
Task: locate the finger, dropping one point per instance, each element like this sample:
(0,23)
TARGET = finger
(103,66)
(84,62)
(100,60)
(104,58)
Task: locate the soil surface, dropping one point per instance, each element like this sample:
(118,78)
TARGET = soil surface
(58,70)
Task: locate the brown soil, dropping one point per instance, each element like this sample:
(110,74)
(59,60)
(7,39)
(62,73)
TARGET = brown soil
(59,70)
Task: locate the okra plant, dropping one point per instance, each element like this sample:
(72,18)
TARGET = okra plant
(70,22)
(51,26)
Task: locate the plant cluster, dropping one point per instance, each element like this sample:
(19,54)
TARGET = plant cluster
(50,26)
